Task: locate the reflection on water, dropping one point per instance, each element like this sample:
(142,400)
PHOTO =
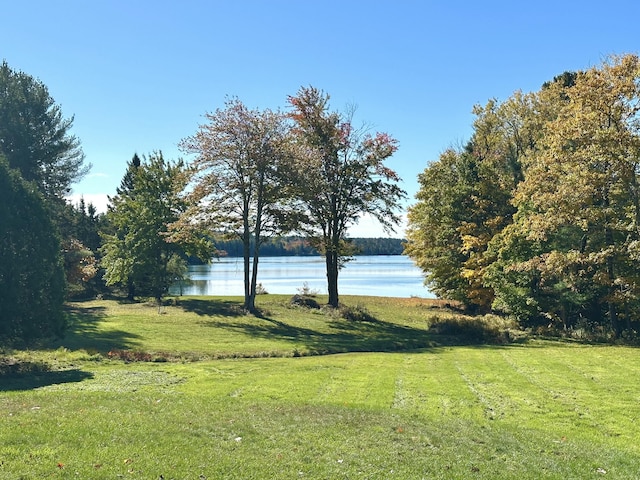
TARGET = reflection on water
(384,276)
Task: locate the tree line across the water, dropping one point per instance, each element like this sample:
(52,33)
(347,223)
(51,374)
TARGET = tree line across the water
(537,216)
(300,246)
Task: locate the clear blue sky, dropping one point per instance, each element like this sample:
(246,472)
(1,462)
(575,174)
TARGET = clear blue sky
(138,75)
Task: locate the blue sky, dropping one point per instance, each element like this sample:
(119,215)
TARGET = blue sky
(138,76)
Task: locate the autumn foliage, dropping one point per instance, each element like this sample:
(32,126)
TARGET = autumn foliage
(538,215)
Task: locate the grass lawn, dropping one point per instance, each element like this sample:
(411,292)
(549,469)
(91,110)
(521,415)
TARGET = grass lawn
(302,393)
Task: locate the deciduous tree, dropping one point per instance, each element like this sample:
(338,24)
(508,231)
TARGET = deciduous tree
(242,180)
(584,180)
(142,249)
(342,176)
(465,200)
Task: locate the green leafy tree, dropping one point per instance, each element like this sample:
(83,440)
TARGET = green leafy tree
(241,182)
(465,200)
(536,284)
(32,280)
(434,240)
(143,249)
(342,176)
(517,285)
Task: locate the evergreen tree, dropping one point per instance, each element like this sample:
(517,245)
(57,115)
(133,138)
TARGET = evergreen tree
(36,141)
(127,182)
(34,136)
(32,279)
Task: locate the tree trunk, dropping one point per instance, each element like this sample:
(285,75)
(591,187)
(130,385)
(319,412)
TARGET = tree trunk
(131,291)
(634,189)
(250,302)
(254,282)
(246,241)
(612,312)
(332,278)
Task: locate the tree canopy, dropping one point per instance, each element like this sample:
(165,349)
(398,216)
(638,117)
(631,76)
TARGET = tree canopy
(579,201)
(35,138)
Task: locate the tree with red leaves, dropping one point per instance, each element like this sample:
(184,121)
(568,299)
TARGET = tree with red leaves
(342,177)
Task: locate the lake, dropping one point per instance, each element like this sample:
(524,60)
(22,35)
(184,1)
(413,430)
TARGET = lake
(376,275)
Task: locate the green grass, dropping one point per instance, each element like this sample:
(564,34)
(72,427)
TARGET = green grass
(237,397)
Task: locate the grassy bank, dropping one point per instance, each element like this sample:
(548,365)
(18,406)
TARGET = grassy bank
(306,394)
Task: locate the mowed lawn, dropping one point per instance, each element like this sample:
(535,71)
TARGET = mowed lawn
(305,394)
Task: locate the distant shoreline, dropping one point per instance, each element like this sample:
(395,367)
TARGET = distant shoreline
(299,246)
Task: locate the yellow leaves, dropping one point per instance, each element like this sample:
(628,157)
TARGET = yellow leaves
(588,151)
(476,238)
(477,294)
(80,262)
(468,273)
(633,250)
(472,243)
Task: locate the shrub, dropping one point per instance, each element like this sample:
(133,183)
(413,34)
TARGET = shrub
(490,329)
(307,291)
(357,313)
(304,301)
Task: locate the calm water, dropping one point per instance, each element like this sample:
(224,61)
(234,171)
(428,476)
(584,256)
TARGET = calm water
(384,276)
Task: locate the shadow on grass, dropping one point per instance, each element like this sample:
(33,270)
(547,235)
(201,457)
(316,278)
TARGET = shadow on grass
(31,380)
(84,331)
(344,336)
(351,329)
(226,308)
